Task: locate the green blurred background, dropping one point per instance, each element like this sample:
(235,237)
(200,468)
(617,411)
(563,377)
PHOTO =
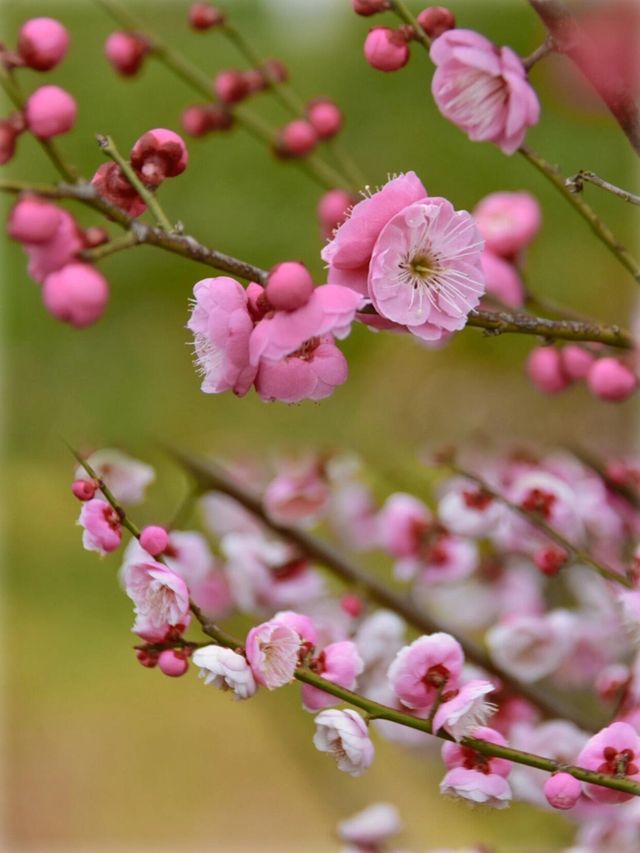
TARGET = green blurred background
(103,754)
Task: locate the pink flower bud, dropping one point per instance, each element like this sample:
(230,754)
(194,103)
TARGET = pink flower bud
(576,361)
(544,367)
(173,663)
(275,71)
(369,7)
(562,791)
(611,380)
(8,136)
(332,210)
(84,490)
(289,286)
(325,117)
(255,80)
(76,294)
(352,604)
(204,16)
(550,560)
(199,120)
(50,111)
(112,184)
(147,658)
(386,49)
(436,20)
(33,220)
(42,43)
(126,52)
(154,539)
(297,138)
(159,154)
(231,86)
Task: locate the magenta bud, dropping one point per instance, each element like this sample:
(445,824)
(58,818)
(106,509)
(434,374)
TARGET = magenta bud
(199,120)
(289,286)
(369,7)
(436,20)
(8,137)
(576,361)
(154,539)
(550,560)
(386,49)
(147,657)
(42,43)
(230,86)
(33,220)
(204,16)
(50,111)
(126,52)
(255,81)
(159,154)
(76,294)
(352,604)
(325,117)
(544,367)
(84,490)
(562,791)
(173,663)
(112,184)
(611,380)
(297,139)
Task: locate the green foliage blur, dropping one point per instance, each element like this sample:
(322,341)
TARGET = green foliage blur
(100,753)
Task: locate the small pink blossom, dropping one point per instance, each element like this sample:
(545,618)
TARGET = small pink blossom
(303,625)
(467,510)
(425,270)
(487,789)
(483,89)
(423,668)
(272,651)
(226,670)
(222,326)
(532,647)
(127,478)
(102,527)
(372,826)
(386,49)
(160,597)
(159,154)
(401,523)
(462,714)
(339,663)
(312,372)
(562,791)
(458,755)
(344,735)
(508,221)
(613,751)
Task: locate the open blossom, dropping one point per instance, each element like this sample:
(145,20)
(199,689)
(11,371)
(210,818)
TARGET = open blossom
(483,89)
(125,477)
(102,526)
(160,598)
(226,670)
(312,372)
(339,663)
(421,669)
(401,523)
(466,711)
(272,651)
(474,776)
(425,270)
(532,647)
(613,751)
(372,826)
(222,326)
(467,510)
(344,735)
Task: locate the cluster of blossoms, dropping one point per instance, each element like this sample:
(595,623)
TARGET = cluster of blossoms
(488,567)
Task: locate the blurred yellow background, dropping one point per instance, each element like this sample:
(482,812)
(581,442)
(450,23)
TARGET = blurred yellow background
(101,754)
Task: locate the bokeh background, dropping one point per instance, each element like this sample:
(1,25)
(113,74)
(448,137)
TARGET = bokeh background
(98,753)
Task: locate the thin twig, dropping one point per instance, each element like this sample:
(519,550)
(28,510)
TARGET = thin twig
(575,185)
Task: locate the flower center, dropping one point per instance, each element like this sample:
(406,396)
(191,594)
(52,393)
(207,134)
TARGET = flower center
(420,267)
(618,763)
(436,675)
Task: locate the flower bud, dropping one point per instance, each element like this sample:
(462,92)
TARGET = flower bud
(275,71)
(325,117)
(297,139)
(173,663)
(231,86)
(611,380)
(199,120)
(126,52)
(113,185)
(544,367)
(436,20)
(352,604)
(576,361)
(84,490)
(369,7)
(204,16)
(159,154)
(386,49)
(50,111)
(8,137)
(76,294)
(255,81)
(550,560)
(42,43)
(289,286)
(33,220)
(154,539)
(562,791)
(147,657)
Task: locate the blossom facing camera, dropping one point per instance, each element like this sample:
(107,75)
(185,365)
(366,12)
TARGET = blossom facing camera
(272,651)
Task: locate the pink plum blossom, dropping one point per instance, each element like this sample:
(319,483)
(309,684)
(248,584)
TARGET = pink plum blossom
(483,89)
(272,651)
(467,510)
(339,663)
(371,826)
(508,221)
(420,670)
(401,523)
(303,625)
(344,735)
(102,526)
(532,647)
(425,269)
(312,372)
(299,493)
(127,478)
(613,751)
(160,597)
(467,710)
(474,776)
(221,325)
(226,670)
(157,155)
